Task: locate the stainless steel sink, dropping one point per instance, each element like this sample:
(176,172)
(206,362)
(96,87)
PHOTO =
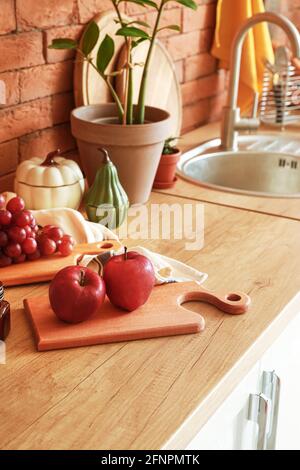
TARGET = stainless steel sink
(265,165)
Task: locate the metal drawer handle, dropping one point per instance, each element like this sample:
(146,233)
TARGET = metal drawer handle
(271,389)
(259,410)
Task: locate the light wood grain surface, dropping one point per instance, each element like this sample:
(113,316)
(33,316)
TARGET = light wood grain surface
(136,395)
(283,207)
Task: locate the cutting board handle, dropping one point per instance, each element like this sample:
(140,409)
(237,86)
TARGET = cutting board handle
(234,303)
(97,247)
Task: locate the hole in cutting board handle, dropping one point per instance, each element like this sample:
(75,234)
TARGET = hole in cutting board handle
(234,303)
(233,297)
(106,245)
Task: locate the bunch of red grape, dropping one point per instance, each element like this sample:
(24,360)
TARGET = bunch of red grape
(22,239)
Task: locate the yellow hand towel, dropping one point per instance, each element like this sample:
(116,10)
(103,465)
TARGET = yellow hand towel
(231,14)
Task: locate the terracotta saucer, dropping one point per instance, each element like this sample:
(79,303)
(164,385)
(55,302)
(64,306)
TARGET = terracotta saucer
(164,185)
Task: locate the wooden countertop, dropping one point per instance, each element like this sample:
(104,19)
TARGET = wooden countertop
(134,395)
(285,207)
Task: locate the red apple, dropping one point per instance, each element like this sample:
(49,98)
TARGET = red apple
(129,280)
(76,293)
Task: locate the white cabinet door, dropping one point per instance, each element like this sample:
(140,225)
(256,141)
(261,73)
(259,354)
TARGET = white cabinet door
(229,427)
(284,358)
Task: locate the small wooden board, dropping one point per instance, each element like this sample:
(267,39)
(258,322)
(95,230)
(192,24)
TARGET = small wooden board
(162,315)
(44,269)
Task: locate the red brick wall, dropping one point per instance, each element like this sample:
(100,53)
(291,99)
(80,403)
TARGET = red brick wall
(39,81)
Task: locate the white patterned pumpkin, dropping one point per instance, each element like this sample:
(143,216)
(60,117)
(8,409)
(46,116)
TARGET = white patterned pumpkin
(50,183)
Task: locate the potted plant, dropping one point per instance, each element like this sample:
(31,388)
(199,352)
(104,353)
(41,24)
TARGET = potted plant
(134,135)
(165,176)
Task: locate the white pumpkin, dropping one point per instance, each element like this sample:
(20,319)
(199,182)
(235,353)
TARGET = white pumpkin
(50,183)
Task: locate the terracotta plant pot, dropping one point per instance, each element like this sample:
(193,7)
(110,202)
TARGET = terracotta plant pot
(165,175)
(135,150)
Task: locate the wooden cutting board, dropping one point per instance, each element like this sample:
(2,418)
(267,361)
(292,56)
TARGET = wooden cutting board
(162,315)
(44,269)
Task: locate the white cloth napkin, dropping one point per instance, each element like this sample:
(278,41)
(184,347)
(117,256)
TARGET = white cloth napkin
(170,270)
(73,223)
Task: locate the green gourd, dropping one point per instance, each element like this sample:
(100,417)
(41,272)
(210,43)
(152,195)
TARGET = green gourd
(106,201)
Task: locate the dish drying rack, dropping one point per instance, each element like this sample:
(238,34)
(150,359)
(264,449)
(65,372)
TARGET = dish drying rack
(280,99)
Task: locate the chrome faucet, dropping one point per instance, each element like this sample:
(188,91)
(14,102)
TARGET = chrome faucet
(232,122)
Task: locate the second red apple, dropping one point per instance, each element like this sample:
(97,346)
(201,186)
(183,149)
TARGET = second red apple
(129,280)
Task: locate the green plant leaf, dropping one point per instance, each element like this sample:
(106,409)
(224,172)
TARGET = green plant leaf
(188,3)
(150,3)
(63,43)
(105,53)
(90,38)
(168,147)
(174,27)
(132,31)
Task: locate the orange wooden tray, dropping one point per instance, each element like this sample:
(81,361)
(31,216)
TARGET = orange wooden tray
(162,315)
(44,269)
